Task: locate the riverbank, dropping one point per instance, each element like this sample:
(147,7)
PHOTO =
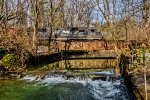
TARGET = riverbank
(137,73)
(137,78)
(133,72)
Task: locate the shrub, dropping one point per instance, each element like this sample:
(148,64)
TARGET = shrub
(10,60)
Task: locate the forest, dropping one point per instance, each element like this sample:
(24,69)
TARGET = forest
(124,27)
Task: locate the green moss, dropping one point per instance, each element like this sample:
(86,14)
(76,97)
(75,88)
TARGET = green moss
(10,60)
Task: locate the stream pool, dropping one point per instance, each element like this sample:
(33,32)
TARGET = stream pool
(59,87)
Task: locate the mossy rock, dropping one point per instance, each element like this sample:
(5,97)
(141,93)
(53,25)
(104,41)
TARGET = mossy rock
(10,60)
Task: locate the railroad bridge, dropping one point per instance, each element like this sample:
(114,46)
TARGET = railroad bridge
(76,39)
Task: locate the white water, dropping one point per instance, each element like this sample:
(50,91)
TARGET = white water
(101,90)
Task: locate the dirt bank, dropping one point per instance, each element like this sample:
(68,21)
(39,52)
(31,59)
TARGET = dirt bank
(137,77)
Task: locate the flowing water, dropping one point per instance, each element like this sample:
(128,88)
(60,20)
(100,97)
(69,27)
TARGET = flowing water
(60,86)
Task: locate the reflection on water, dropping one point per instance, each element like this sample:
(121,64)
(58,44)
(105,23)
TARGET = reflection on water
(83,64)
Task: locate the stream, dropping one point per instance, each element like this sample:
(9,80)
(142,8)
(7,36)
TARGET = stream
(100,83)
